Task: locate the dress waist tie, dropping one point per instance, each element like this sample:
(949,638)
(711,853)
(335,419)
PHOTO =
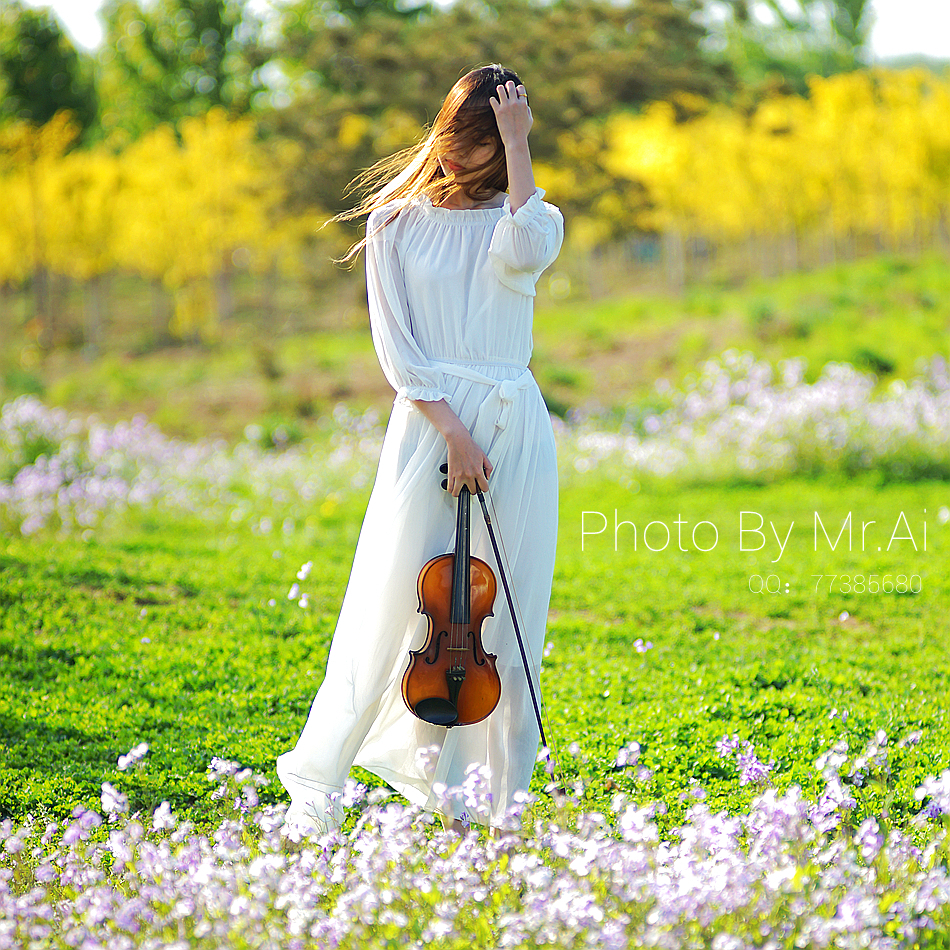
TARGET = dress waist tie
(495,410)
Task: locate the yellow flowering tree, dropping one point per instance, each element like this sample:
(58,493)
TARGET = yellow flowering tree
(865,154)
(187,207)
(29,157)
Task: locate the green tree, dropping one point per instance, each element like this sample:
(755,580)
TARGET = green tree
(846,19)
(362,87)
(41,72)
(328,10)
(779,43)
(166,60)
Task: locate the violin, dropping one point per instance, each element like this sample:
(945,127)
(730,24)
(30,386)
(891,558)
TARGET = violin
(451,680)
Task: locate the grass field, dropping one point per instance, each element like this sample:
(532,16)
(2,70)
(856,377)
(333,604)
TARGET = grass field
(882,314)
(182,636)
(745,674)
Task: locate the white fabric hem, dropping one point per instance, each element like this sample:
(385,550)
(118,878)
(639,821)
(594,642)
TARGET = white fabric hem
(406,394)
(533,208)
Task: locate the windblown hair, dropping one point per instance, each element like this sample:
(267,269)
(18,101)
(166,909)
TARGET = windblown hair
(465,121)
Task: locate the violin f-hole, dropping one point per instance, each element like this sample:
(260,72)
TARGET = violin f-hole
(476,644)
(438,645)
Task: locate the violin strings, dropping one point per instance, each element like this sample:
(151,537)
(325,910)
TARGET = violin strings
(458,634)
(455,639)
(551,751)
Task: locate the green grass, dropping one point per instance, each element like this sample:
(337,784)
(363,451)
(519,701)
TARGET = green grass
(163,632)
(195,391)
(883,314)
(782,662)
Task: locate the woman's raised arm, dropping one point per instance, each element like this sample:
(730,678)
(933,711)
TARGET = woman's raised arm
(513,115)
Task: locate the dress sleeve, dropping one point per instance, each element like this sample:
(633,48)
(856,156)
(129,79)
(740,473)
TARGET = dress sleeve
(526,242)
(404,364)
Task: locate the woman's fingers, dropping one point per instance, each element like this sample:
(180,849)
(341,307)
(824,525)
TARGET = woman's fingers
(512,112)
(509,93)
(474,481)
(468,466)
(481,479)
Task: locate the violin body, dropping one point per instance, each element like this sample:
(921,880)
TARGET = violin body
(451,680)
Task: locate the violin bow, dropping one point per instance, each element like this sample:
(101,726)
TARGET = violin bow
(514,619)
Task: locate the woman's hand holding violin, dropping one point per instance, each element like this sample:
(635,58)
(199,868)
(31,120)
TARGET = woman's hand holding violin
(468,464)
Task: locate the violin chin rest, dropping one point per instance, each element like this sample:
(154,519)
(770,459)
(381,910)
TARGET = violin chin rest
(440,712)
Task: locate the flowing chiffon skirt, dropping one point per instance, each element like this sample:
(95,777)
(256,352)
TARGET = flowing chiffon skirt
(358,716)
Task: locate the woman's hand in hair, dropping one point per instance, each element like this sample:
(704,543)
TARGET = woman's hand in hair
(512,113)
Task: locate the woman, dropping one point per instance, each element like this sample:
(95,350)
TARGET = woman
(451,267)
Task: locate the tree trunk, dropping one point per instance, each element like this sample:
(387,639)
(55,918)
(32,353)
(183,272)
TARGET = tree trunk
(830,242)
(42,308)
(791,250)
(224,292)
(943,231)
(161,313)
(674,255)
(95,296)
(269,284)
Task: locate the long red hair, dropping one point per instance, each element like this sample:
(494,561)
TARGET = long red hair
(465,121)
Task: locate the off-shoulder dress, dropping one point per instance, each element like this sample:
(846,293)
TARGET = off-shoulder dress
(451,295)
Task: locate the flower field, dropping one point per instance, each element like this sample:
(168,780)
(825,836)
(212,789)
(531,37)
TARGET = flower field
(736,419)
(788,873)
(749,737)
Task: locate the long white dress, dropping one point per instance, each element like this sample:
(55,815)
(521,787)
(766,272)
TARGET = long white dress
(451,295)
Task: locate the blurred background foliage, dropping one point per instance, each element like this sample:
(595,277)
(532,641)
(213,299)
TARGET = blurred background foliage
(172,186)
